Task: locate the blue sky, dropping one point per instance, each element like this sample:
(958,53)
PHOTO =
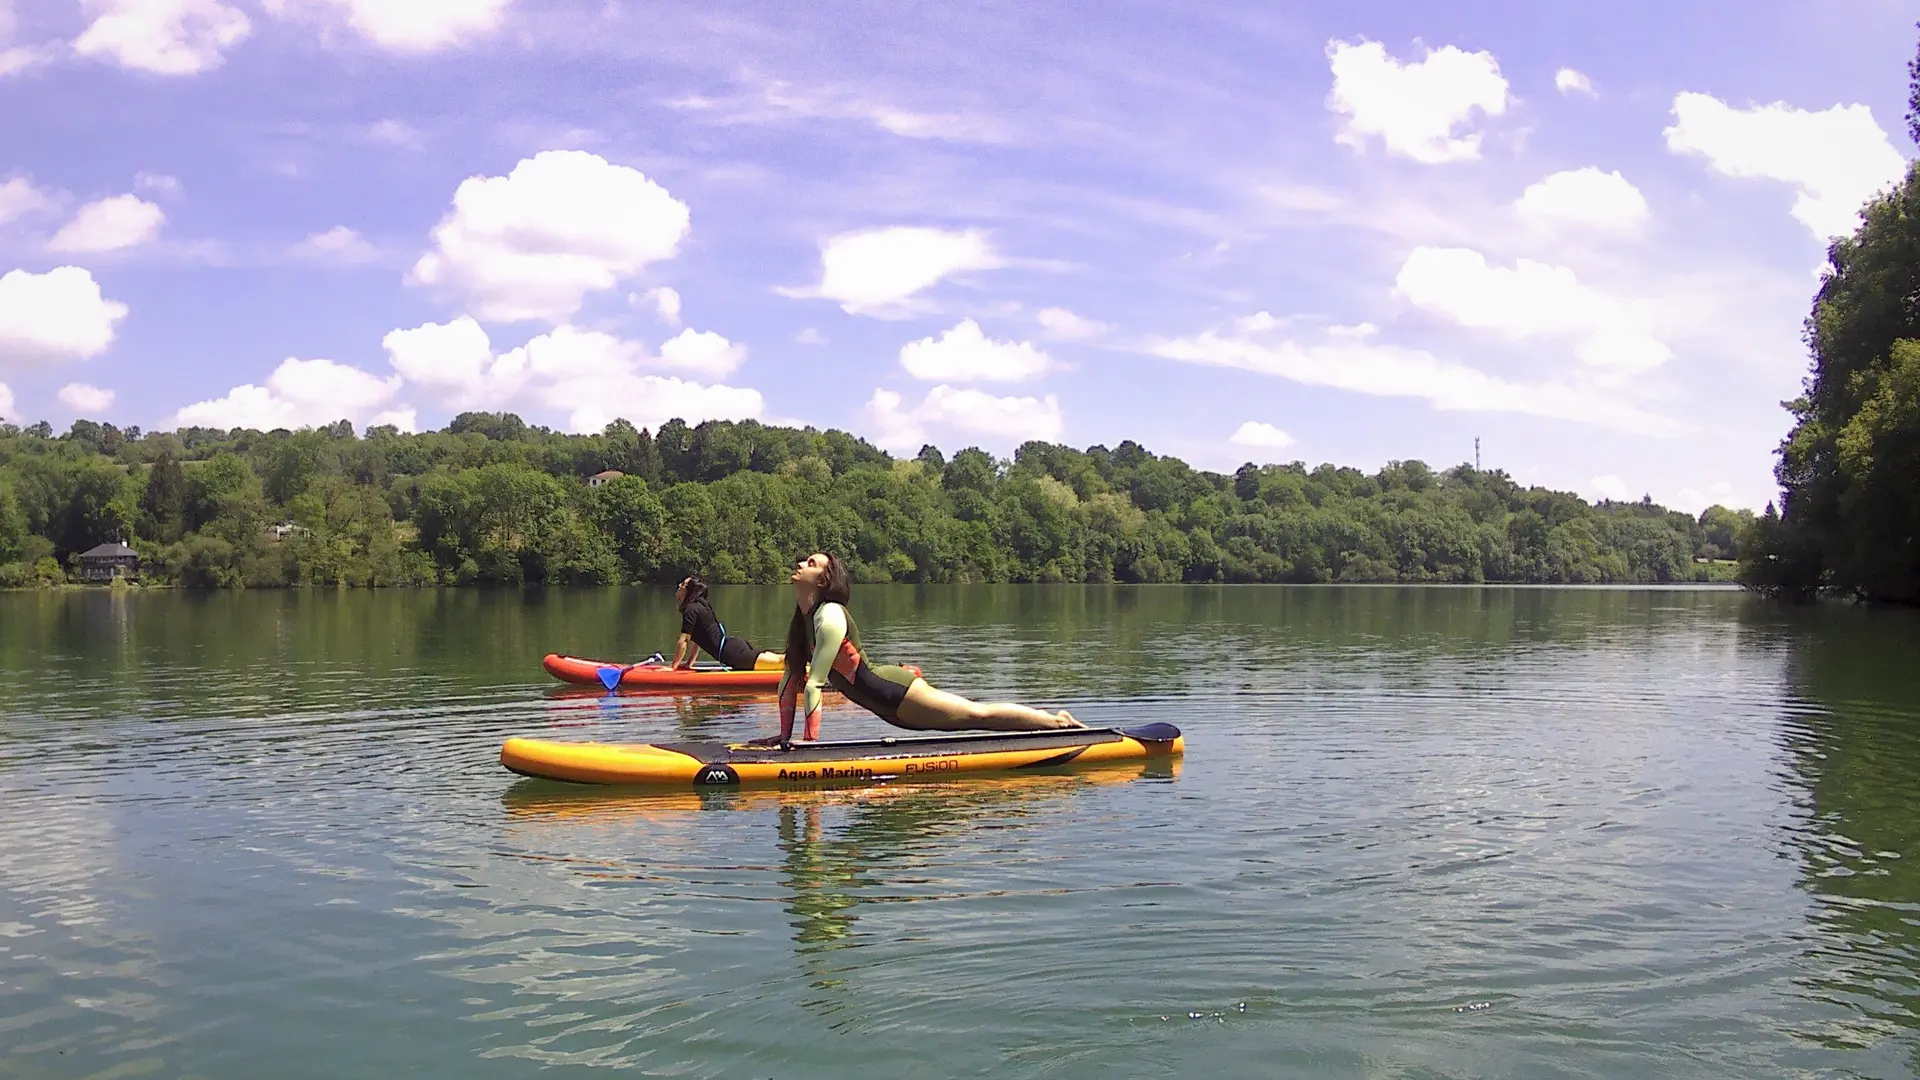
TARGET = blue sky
(1351,233)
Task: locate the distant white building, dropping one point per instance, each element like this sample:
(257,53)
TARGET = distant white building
(602,477)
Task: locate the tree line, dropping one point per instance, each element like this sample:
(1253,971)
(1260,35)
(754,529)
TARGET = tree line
(491,499)
(1848,523)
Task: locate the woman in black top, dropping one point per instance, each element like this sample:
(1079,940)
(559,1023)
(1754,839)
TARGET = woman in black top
(701,630)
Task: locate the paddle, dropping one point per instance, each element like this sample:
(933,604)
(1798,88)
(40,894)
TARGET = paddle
(610,675)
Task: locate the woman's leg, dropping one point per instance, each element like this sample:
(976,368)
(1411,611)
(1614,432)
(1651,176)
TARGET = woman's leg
(927,708)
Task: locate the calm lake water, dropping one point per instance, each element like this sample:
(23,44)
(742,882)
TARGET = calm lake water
(1418,833)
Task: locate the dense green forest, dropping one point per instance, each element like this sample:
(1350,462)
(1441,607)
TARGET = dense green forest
(1849,472)
(491,499)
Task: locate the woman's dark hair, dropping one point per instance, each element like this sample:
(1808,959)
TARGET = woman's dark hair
(696,590)
(835,588)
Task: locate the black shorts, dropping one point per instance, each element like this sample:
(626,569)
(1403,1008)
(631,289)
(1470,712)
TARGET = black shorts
(738,654)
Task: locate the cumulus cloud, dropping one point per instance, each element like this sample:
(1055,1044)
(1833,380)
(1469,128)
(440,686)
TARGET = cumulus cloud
(454,360)
(7,412)
(164,37)
(1836,159)
(966,354)
(564,223)
(339,244)
(1415,109)
(1532,300)
(299,393)
(1569,81)
(1261,436)
(878,272)
(1610,487)
(664,300)
(82,398)
(810,336)
(1584,198)
(405,26)
(110,224)
(1064,325)
(591,376)
(1348,358)
(1009,420)
(18,198)
(55,316)
(703,351)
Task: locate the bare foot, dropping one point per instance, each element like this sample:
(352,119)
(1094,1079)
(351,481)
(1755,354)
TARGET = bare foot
(1066,719)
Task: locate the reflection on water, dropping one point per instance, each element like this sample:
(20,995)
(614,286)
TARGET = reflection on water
(1855,743)
(1418,832)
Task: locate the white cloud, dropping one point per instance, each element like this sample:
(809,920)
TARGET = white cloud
(1414,108)
(18,198)
(338,244)
(110,224)
(7,412)
(299,393)
(651,400)
(454,359)
(158,183)
(1066,326)
(1532,300)
(1610,487)
(664,300)
(165,37)
(966,354)
(1836,159)
(810,336)
(779,101)
(406,418)
(58,315)
(82,398)
(703,351)
(395,133)
(1569,81)
(877,272)
(14,60)
(407,26)
(1719,493)
(1349,359)
(592,376)
(563,223)
(19,58)
(1262,436)
(1584,198)
(1010,420)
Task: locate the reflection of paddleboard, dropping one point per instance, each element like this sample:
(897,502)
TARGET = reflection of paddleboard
(655,675)
(915,757)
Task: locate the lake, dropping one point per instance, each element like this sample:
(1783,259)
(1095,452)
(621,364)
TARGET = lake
(1418,832)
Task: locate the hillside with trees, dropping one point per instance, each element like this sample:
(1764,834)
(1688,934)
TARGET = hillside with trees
(490,499)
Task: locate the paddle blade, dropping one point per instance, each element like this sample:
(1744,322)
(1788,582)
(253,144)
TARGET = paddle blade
(609,677)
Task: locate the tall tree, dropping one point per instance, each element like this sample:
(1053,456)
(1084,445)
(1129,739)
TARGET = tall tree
(163,505)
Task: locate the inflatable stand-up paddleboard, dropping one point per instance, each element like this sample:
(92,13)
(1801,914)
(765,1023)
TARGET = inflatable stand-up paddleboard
(661,676)
(945,757)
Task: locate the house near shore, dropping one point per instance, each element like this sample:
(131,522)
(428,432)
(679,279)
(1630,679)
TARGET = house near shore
(604,476)
(107,562)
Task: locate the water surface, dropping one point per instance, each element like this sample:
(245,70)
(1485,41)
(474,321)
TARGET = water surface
(1418,833)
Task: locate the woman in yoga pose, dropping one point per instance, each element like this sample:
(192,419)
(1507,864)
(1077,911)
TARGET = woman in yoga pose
(701,630)
(823,632)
